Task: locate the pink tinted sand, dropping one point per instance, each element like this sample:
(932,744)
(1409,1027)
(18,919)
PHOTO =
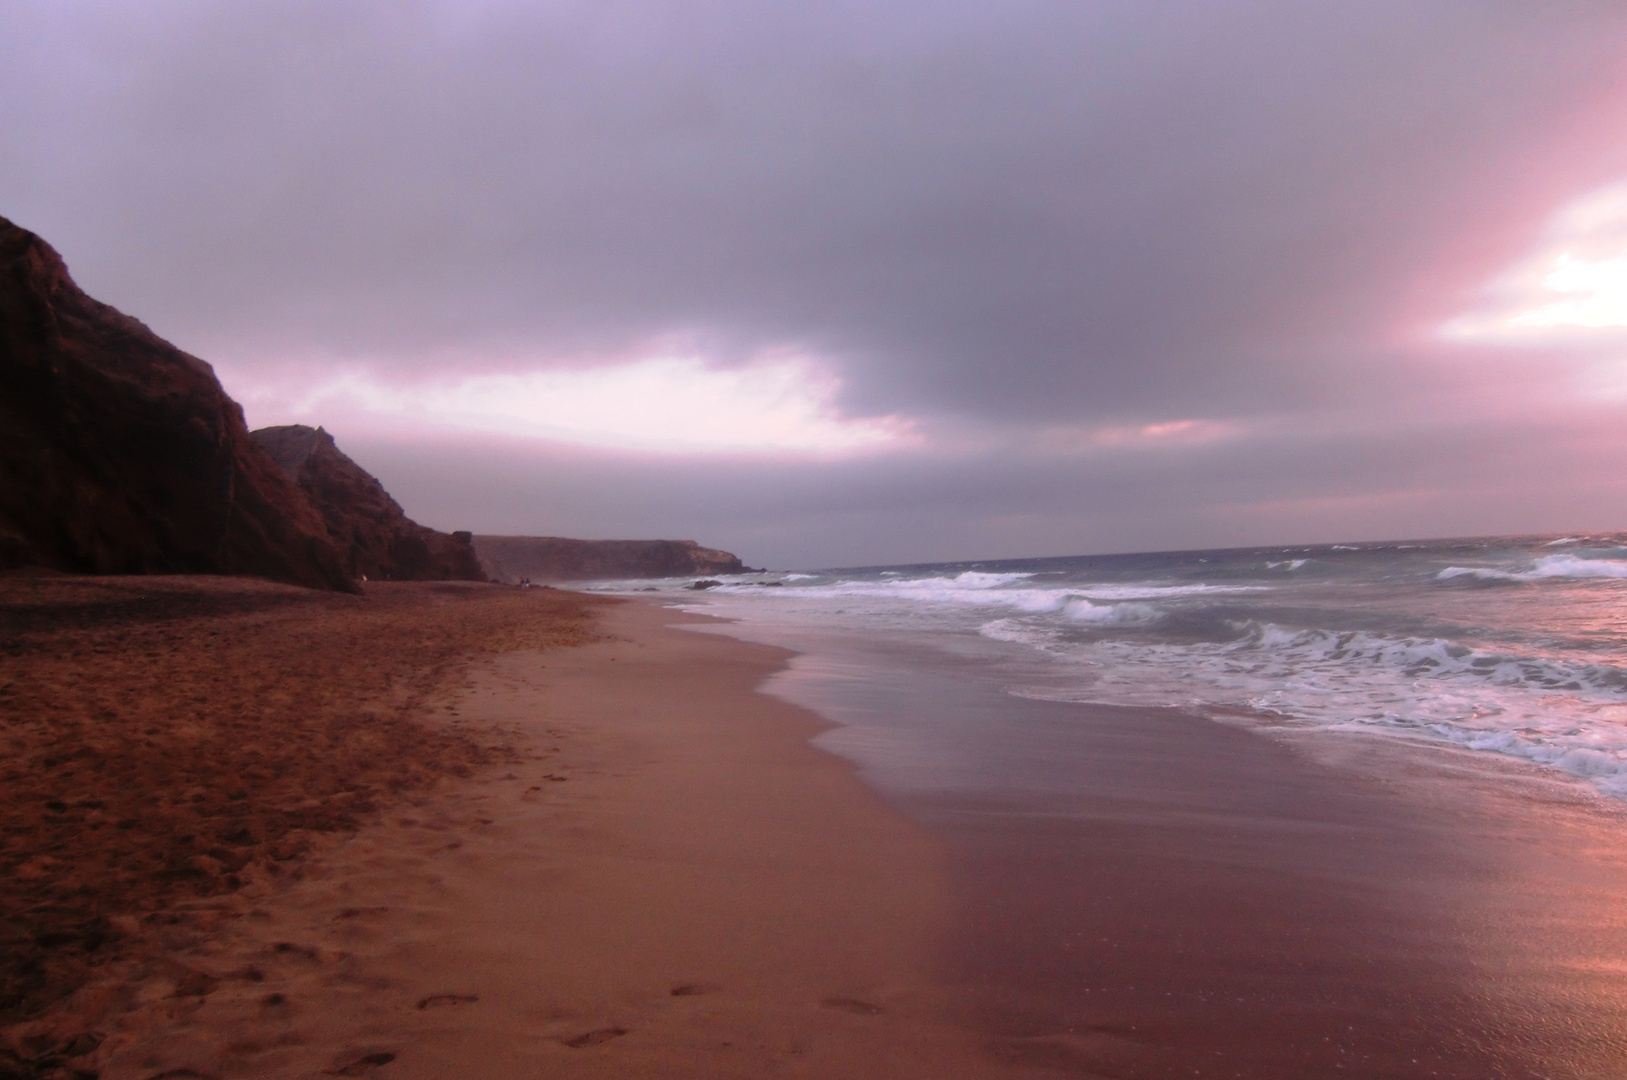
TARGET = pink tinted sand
(668,882)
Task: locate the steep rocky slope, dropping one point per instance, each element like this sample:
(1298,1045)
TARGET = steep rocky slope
(375,537)
(119,453)
(555,558)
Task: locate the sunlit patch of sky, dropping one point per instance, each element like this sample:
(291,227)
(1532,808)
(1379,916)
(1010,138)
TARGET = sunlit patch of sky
(1572,289)
(781,402)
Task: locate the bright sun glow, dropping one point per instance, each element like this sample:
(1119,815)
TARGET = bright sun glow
(782,402)
(1593,294)
(1576,284)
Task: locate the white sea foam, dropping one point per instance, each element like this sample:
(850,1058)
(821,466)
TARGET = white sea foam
(1565,714)
(975,579)
(998,590)
(1019,632)
(1549,566)
(1154,592)
(1604,763)
(1125,614)
(1435,657)
(1573,566)
(1535,673)
(1481,572)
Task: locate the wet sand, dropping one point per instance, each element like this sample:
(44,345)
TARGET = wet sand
(1147,893)
(1233,910)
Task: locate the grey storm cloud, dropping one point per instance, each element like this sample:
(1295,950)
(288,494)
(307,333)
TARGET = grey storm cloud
(1005,214)
(1025,208)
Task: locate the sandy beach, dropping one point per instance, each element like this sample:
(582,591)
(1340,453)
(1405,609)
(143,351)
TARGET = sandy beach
(546,834)
(649,873)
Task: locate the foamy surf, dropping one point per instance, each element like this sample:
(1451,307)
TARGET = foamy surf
(1375,637)
(1550,566)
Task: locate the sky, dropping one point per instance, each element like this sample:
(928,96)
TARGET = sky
(840,283)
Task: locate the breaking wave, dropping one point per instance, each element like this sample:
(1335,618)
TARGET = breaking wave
(1339,637)
(1550,566)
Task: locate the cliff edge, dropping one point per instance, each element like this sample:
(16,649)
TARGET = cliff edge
(375,537)
(120,454)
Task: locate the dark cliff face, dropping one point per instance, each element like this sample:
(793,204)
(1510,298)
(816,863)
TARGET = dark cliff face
(374,536)
(555,558)
(119,453)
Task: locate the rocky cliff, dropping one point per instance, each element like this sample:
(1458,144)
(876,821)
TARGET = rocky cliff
(374,536)
(119,453)
(554,558)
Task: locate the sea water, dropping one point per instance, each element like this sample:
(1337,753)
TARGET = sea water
(1508,645)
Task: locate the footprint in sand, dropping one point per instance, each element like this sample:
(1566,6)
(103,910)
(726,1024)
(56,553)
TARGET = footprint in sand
(693,989)
(594,1037)
(196,984)
(852,1005)
(437,1000)
(80,1045)
(363,1065)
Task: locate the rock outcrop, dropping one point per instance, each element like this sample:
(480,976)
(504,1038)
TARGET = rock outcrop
(119,453)
(374,536)
(555,558)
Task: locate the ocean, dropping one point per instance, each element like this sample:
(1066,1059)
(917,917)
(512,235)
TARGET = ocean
(1514,646)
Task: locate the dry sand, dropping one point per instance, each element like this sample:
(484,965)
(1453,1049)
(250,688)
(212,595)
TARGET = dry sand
(650,873)
(168,740)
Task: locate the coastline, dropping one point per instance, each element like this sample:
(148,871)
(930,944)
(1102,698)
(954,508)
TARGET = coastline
(662,879)
(659,871)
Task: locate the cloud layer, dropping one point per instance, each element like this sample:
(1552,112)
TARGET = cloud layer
(1073,255)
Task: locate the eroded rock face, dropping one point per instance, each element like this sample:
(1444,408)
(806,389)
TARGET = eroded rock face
(121,454)
(555,558)
(374,536)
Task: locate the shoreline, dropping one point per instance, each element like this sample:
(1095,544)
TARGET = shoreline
(664,869)
(661,879)
(1144,892)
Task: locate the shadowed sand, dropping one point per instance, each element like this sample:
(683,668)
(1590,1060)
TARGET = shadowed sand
(663,879)
(168,739)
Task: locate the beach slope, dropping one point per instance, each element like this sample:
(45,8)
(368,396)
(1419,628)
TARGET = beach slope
(659,878)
